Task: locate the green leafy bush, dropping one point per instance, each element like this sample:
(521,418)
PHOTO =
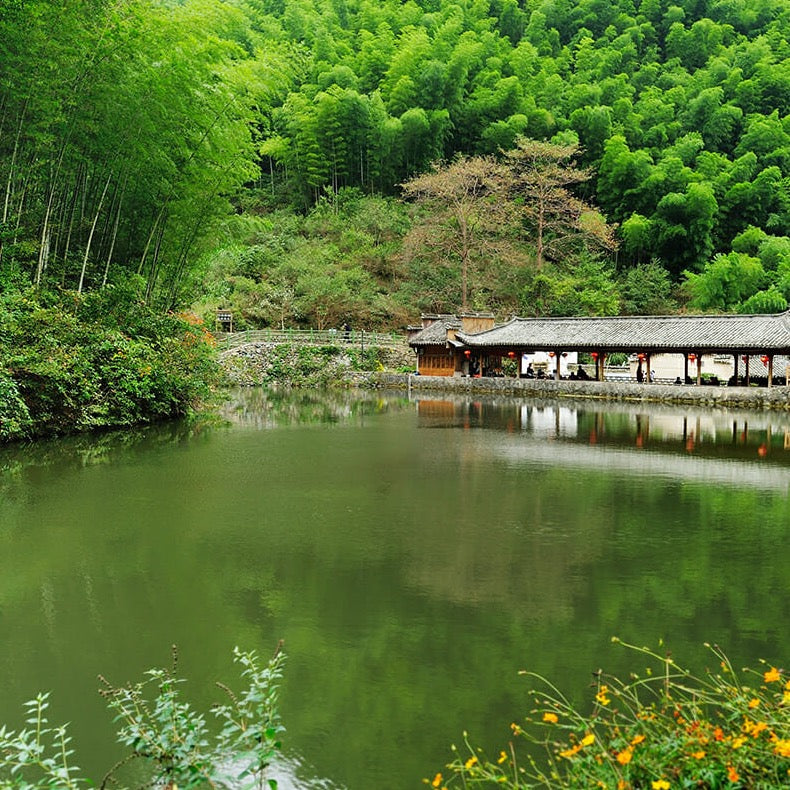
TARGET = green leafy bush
(76,363)
(160,728)
(14,414)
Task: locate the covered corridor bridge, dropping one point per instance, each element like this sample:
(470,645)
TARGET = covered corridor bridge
(692,336)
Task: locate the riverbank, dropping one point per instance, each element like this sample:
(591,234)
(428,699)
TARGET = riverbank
(709,396)
(73,363)
(256,364)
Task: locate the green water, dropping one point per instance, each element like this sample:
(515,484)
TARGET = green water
(412,555)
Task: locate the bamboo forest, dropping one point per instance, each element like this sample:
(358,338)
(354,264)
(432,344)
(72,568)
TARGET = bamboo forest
(261,147)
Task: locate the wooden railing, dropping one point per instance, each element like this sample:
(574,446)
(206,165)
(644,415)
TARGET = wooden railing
(311,337)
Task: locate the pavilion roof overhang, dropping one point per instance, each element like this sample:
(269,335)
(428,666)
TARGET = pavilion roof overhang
(722,334)
(438,333)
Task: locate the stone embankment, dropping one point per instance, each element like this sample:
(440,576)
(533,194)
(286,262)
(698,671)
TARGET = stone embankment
(257,363)
(716,397)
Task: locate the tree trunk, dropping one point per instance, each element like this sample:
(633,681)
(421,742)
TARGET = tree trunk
(90,235)
(11,171)
(114,233)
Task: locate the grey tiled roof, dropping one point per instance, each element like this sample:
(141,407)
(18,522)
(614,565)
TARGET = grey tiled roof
(436,333)
(708,333)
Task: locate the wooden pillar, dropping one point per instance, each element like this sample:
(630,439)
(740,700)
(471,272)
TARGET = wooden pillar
(699,369)
(746,375)
(770,370)
(735,374)
(685,367)
(558,357)
(648,377)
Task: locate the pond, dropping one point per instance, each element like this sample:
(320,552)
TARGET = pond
(413,555)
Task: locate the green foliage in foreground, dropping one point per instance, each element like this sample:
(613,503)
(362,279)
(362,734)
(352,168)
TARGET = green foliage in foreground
(71,362)
(665,729)
(163,730)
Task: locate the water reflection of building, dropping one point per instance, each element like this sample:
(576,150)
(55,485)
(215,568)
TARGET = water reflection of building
(741,435)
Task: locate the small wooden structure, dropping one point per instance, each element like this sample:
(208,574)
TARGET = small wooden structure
(224,321)
(438,351)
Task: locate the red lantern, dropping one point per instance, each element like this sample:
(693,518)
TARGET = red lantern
(745,358)
(551,353)
(765,359)
(511,354)
(564,353)
(692,357)
(640,357)
(594,355)
(467,353)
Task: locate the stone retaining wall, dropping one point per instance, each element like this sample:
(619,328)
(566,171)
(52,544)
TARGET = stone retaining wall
(724,397)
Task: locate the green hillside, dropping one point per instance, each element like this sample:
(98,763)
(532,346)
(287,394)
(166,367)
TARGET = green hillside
(251,154)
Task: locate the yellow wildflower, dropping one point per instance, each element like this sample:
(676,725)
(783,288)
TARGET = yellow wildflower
(624,757)
(437,780)
(782,748)
(787,685)
(772,675)
(699,755)
(550,717)
(470,762)
(637,739)
(660,784)
(568,753)
(588,739)
(738,742)
(732,774)
(516,729)
(754,703)
(758,728)
(785,698)
(502,757)
(601,696)
(622,785)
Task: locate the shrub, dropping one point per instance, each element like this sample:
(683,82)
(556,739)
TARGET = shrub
(668,729)
(14,415)
(162,729)
(103,360)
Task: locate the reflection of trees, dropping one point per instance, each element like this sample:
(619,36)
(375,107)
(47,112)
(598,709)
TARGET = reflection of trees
(258,407)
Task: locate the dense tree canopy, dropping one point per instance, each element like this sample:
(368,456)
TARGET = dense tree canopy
(129,130)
